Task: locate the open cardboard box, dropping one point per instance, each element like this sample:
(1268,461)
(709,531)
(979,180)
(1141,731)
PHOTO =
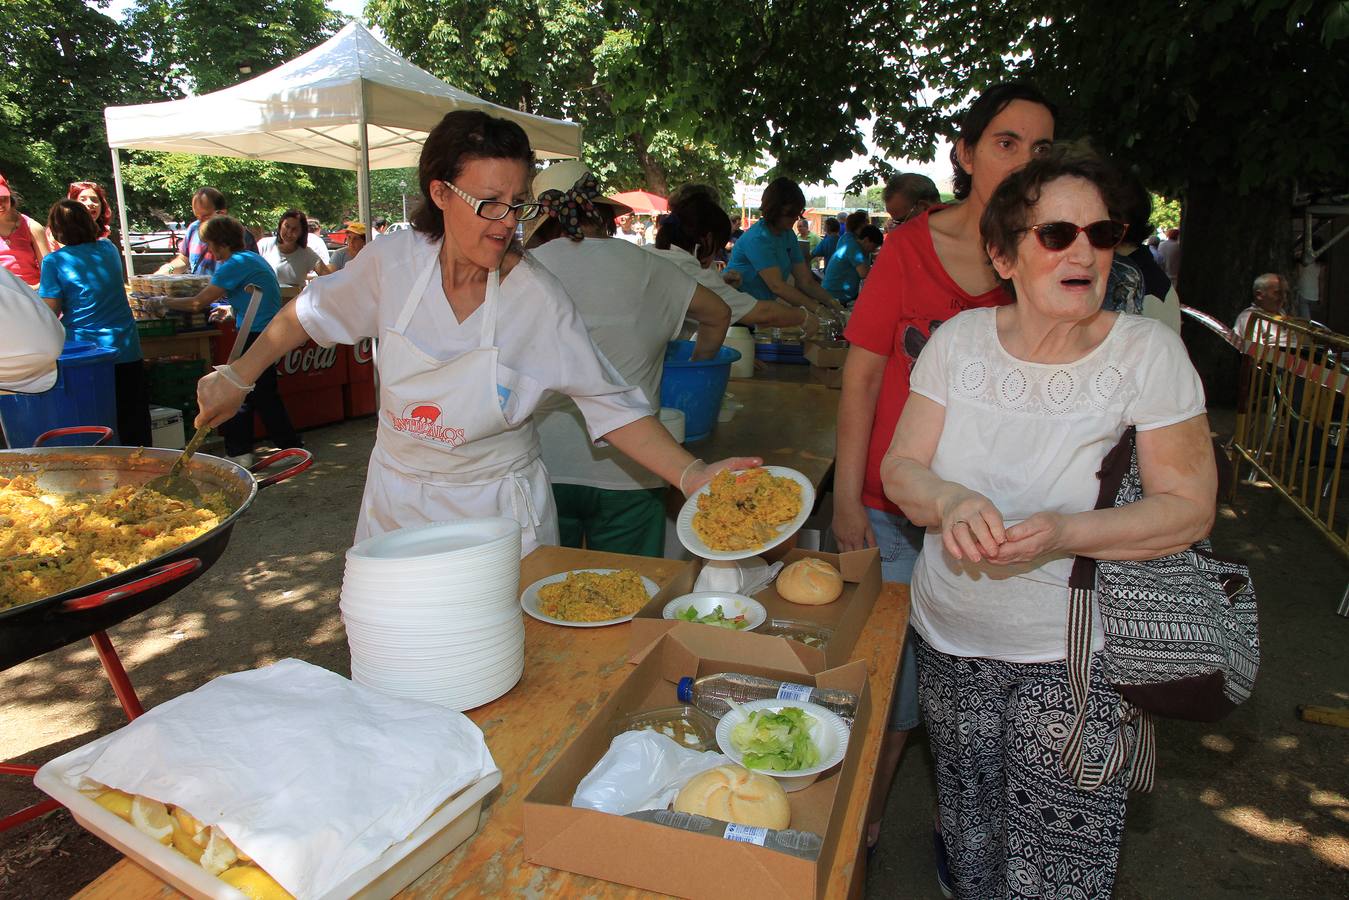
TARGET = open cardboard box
(830,378)
(659,858)
(861,570)
(826,354)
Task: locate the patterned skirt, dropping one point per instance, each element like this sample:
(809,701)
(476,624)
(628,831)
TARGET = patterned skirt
(1014,823)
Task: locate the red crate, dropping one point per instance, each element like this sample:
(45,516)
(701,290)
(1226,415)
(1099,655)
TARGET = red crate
(359,398)
(310,409)
(361,362)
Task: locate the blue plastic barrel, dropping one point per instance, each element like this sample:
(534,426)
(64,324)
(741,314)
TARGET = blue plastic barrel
(695,387)
(84,394)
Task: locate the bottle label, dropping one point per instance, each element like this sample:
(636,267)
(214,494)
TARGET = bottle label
(746,834)
(798,692)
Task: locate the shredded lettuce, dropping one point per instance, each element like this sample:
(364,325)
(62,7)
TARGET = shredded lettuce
(776,741)
(716,617)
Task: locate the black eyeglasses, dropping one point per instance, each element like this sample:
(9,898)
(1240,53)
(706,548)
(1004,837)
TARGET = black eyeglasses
(496,210)
(1103,235)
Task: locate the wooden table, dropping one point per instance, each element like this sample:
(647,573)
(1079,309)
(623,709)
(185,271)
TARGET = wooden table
(568,673)
(196,344)
(787,424)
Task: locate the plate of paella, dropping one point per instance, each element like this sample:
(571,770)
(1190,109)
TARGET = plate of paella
(588,598)
(743,513)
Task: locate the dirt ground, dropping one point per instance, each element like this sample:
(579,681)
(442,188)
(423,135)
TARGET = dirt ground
(1254,806)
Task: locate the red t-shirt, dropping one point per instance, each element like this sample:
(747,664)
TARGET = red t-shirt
(907,294)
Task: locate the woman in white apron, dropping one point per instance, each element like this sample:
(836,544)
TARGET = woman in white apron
(473,334)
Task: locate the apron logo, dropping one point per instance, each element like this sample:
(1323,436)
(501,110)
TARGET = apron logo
(422,420)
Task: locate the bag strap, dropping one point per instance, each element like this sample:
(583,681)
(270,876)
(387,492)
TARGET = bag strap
(1081,592)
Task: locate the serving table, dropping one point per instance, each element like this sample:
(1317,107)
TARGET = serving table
(569,672)
(787,424)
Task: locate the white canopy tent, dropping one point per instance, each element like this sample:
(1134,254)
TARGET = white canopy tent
(350,103)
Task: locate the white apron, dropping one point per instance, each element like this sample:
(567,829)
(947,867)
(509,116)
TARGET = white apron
(443,449)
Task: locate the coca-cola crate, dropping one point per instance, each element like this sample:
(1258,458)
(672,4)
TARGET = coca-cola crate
(310,368)
(310,409)
(361,362)
(358,398)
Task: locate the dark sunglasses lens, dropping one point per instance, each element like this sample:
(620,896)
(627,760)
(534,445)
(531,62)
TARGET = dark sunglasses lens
(1056,235)
(1105,234)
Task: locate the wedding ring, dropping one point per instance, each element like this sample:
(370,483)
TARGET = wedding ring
(961,522)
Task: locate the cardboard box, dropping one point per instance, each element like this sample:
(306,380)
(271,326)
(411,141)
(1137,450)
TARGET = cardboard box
(830,378)
(827,354)
(658,858)
(861,570)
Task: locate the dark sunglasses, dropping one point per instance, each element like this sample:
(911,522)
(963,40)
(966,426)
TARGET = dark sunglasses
(1103,235)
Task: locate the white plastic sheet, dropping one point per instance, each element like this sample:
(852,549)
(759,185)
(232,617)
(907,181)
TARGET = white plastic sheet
(311,775)
(641,770)
(738,576)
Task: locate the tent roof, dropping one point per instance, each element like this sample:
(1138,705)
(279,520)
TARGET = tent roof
(308,111)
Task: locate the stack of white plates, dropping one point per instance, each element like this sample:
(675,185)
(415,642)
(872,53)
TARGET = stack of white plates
(432,612)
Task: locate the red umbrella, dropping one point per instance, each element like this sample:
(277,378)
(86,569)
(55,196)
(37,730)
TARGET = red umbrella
(643,203)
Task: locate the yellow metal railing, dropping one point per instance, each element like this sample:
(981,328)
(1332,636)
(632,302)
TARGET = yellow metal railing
(1293,418)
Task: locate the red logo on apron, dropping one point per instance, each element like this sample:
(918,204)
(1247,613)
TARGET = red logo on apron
(423,420)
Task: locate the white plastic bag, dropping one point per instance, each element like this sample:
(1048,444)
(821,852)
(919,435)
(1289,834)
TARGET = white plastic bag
(739,576)
(641,770)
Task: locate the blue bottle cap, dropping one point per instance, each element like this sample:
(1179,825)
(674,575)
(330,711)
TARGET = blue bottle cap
(685,690)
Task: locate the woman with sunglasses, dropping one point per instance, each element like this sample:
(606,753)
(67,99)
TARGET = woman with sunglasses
(1011,414)
(930,268)
(473,334)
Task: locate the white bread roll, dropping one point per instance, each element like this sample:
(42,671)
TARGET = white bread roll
(735,794)
(810,581)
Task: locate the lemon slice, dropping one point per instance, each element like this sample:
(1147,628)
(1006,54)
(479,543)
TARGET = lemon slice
(152,818)
(189,825)
(254,883)
(219,854)
(116,802)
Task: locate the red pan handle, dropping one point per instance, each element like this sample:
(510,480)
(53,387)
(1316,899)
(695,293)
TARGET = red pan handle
(306,459)
(103,431)
(163,575)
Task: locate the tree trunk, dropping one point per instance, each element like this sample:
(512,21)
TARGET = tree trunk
(652,171)
(1226,240)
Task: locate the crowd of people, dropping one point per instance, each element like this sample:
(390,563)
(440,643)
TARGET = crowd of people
(1000,346)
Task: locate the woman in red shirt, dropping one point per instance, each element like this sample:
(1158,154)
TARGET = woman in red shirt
(929,269)
(23,242)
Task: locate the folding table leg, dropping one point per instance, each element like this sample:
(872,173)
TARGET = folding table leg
(121,684)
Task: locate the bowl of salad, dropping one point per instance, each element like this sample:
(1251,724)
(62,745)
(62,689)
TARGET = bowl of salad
(735,612)
(793,741)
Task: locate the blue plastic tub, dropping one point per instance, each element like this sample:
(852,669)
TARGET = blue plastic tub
(84,394)
(695,387)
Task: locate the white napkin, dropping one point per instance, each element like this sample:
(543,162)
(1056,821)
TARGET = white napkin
(310,774)
(641,770)
(737,576)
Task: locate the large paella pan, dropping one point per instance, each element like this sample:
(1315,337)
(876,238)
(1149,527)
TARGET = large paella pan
(33,628)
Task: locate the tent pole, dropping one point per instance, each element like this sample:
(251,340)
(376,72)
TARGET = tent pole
(121,210)
(363,173)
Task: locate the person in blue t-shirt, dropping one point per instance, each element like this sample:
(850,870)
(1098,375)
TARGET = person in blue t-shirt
(768,253)
(194,256)
(82,283)
(851,262)
(829,243)
(236,271)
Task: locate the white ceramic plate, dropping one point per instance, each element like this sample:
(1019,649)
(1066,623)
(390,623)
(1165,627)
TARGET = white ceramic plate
(530,599)
(689,538)
(732,605)
(829,732)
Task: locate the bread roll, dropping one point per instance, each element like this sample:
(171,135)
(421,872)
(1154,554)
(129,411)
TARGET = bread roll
(735,794)
(810,581)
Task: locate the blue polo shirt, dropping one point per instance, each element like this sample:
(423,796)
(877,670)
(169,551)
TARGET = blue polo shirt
(87,280)
(840,272)
(235,274)
(759,249)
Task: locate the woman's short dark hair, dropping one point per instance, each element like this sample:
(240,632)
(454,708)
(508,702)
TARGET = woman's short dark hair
(694,188)
(831,226)
(213,197)
(976,120)
(1007,215)
(692,219)
(782,198)
(915,187)
(304,225)
(460,137)
(1137,207)
(873,234)
(71,224)
(856,220)
(225,231)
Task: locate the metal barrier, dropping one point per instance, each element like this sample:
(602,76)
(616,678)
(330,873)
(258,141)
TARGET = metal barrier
(1293,418)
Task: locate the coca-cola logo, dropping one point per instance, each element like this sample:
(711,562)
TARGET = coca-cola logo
(308,359)
(423,420)
(364,351)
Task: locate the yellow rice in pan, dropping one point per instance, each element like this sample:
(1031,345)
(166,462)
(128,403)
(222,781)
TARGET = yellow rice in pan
(51,543)
(594,596)
(741,510)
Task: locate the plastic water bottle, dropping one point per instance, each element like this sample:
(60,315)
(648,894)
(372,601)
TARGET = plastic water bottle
(711,692)
(803,844)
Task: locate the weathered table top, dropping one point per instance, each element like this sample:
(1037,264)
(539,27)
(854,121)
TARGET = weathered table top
(568,673)
(787,424)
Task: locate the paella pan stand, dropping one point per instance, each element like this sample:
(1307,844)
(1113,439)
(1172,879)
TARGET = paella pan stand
(33,629)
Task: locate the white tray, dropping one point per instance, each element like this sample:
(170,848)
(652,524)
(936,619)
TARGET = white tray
(403,863)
